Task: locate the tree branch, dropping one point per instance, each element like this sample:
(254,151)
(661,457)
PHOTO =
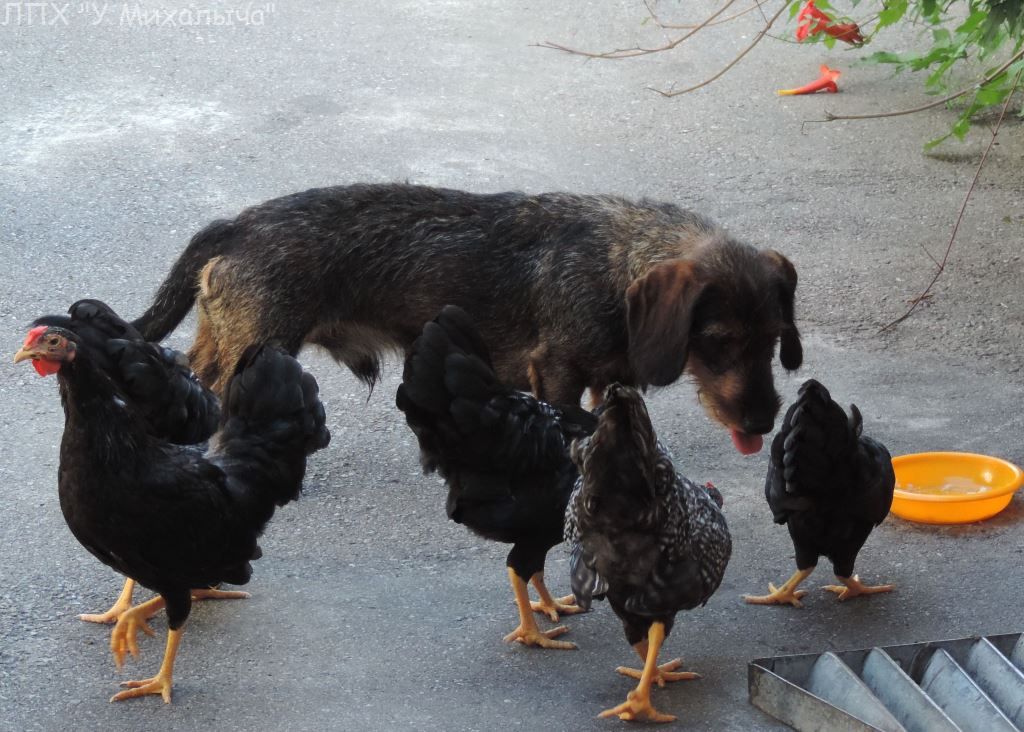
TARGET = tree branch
(829,117)
(637,50)
(757,39)
(672,26)
(926,293)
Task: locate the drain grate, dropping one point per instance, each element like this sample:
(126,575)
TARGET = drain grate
(965,685)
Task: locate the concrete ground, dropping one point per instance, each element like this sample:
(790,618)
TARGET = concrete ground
(370,610)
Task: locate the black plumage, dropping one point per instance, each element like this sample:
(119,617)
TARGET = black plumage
(156,381)
(175,517)
(831,485)
(649,539)
(503,454)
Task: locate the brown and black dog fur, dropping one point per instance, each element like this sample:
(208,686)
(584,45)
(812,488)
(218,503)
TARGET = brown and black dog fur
(570,292)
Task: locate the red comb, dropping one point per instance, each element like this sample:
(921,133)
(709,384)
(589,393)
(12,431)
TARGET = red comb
(33,335)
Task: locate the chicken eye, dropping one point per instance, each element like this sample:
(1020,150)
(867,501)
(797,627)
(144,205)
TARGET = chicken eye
(54,340)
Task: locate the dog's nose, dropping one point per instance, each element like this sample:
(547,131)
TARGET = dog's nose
(754,425)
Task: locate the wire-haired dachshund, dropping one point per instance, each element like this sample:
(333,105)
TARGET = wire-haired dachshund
(571,292)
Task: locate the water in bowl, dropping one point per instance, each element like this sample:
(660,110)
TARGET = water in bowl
(954,486)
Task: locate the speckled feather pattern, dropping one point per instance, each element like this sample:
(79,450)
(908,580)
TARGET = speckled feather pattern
(692,540)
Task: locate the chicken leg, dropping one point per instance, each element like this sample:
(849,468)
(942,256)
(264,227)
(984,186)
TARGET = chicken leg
(161,683)
(124,601)
(637,706)
(852,587)
(528,633)
(788,593)
(549,605)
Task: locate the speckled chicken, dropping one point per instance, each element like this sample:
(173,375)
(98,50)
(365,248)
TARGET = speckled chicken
(648,539)
(831,485)
(155,382)
(503,454)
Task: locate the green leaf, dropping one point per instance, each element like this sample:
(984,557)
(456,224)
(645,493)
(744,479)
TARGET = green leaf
(973,22)
(885,57)
(988,96)
(829,41)
(961,127)
(937,141)
(892,13)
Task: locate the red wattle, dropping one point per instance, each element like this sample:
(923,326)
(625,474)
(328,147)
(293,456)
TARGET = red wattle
(44,367)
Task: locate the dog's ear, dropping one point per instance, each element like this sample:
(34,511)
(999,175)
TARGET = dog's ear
(791,352)
(659,313)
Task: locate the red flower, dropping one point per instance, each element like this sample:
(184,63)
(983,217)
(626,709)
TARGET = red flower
(811,21)
(846,32)
(809,14)
(826,82)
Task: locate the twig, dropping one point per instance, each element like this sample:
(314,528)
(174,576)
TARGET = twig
(829,117)
(637,50)
(672,26)
(956,227)
(757,39)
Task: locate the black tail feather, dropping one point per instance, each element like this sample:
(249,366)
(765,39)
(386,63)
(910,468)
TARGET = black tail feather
(272,419)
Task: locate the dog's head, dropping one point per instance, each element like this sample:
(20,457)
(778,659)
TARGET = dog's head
(719,316)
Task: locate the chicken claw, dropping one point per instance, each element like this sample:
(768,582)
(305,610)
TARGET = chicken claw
(852,587)
(541,638)
(124,637)
(549,605)
(528,633)
(160,684)
(666,672)
(123,603)
(215,594)
(788,593)
(637,708)
(777,596)
(155,685)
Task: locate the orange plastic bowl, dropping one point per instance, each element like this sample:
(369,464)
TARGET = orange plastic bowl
(952,487)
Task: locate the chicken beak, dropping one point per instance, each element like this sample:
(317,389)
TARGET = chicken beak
(24,354)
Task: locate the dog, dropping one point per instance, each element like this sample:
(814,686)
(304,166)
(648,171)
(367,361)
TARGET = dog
(571,292)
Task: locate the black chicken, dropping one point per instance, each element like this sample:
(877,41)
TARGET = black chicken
(156,382)
(169,516)
(504,455)
(650,540)
(831,485)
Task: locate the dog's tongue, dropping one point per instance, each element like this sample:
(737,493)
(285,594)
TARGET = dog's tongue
(746,444)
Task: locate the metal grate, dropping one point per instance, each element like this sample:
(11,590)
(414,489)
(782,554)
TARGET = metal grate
(969,684)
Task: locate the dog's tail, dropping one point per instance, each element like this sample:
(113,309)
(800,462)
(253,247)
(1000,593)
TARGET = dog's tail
(178,292)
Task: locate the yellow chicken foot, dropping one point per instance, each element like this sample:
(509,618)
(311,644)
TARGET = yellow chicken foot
(528,633)
(852,587)
(124,637)
(549,605)
(161,683)
(209,593)
(788,593)
(123,602)
(666,672)
(638,707)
